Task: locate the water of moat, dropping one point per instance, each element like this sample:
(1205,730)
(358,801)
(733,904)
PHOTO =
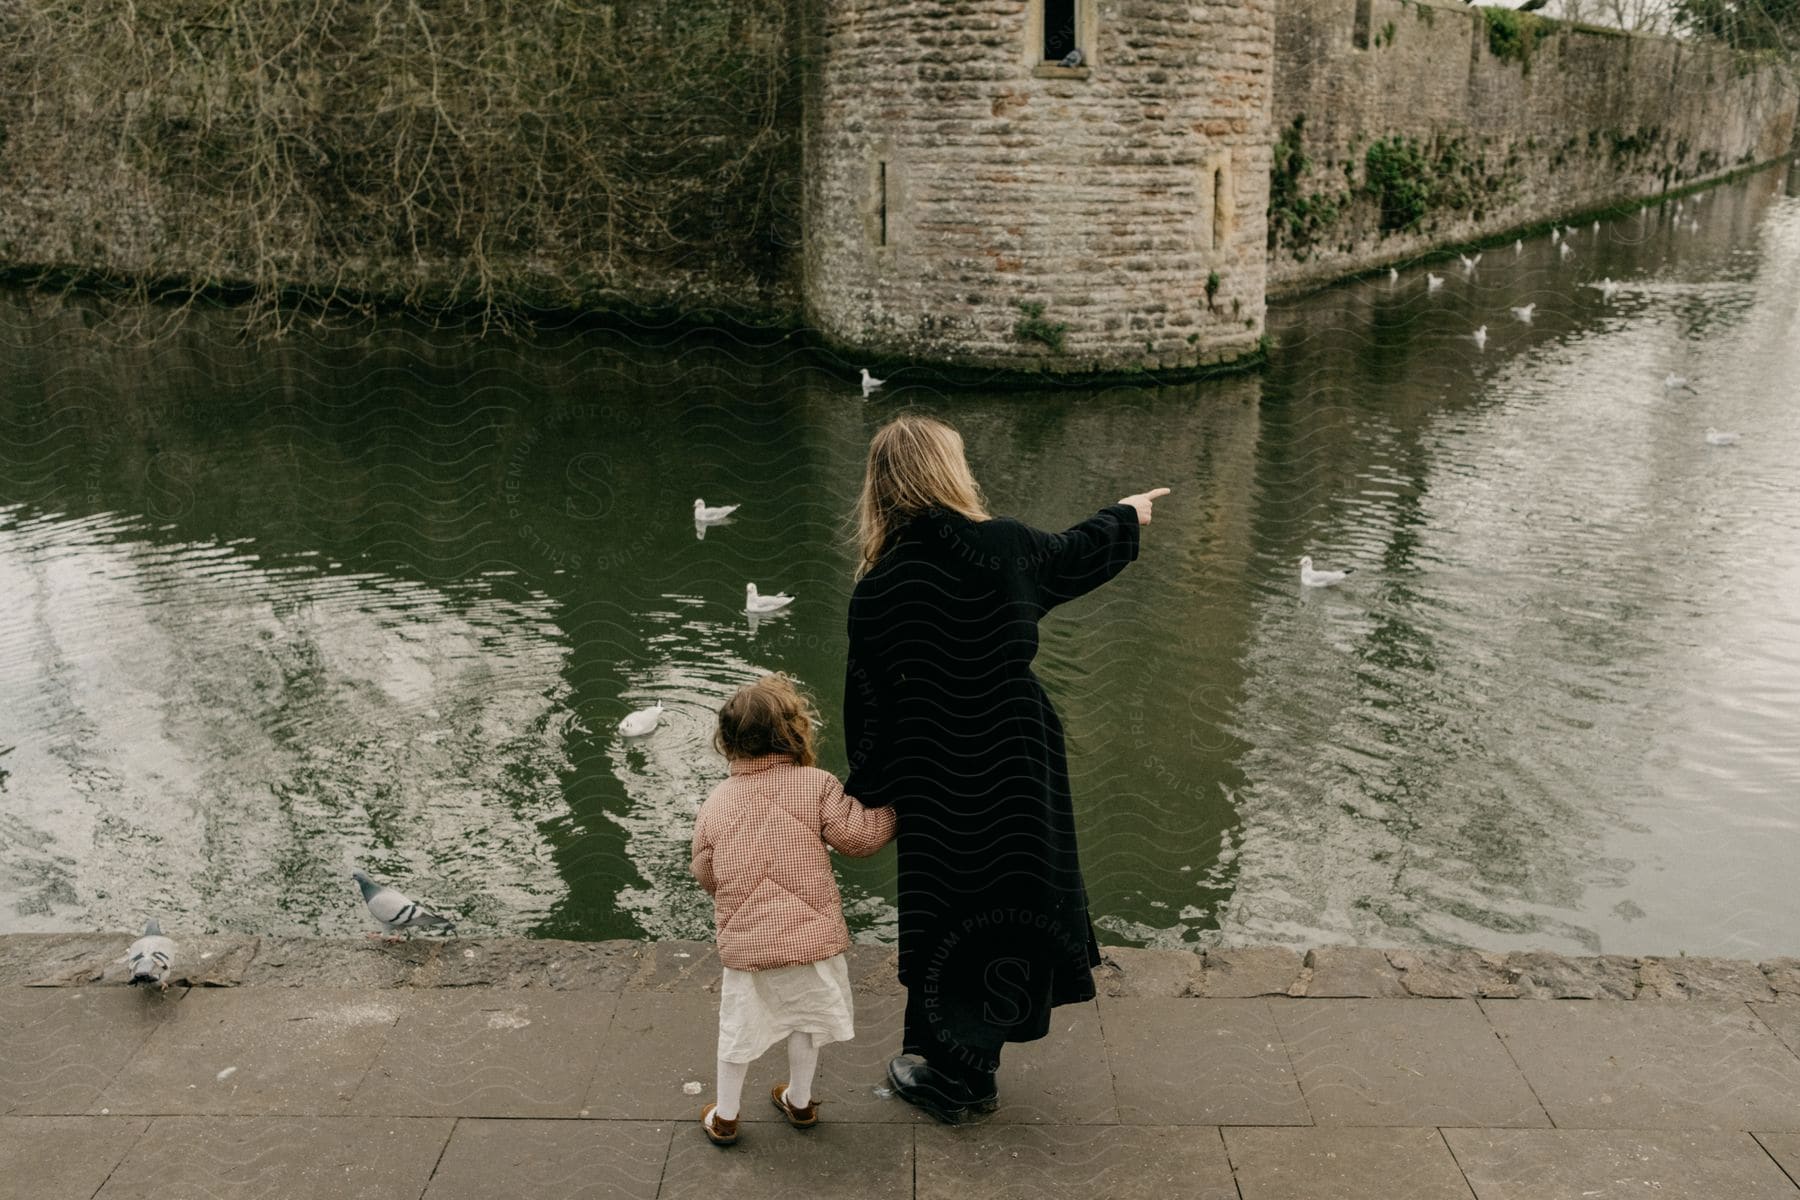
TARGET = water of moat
(380,598)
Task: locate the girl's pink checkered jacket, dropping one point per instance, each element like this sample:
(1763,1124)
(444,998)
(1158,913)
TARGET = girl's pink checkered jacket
(759,848)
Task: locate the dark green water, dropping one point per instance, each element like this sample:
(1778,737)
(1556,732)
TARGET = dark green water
(380,597)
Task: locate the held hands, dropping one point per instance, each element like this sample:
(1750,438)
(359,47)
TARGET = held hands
(1142,502)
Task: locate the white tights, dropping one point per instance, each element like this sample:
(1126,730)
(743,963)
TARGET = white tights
(803,1062)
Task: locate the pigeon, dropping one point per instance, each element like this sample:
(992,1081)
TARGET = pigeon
(754,603)
(1715,438)
(1312,578)
(718,512)
(869,382)
(149,957)
(1518,246)
(1674,382)
(643,721)
(1523,312)
(1433,282)
(397,911)
(1480,336)
(1071,59)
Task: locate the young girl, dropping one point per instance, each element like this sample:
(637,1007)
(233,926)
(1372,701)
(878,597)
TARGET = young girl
(759,850)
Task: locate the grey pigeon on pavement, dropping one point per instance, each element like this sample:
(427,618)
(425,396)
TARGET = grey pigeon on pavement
(396,911)
(150,956)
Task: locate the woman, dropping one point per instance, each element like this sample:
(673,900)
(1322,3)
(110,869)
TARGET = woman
(947,724)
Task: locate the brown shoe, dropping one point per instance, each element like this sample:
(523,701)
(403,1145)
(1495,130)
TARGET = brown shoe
(719,1131)
(799,1118)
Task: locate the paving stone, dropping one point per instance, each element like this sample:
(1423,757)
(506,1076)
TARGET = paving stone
(59,1047)
(1061,1079)
(489,1053)
(552,1160)
(1585,1164)
(1199,1062)
(1351,971)
(256,1050)
(1344,1164)
(1784,1019)
(1784,1148)
(1701,979)
(875,970)
(677,967)
(773,1162)
(1453,974)
(200,961)
(1074,1161)
(1783,974)
(852,1079)
(1148,974)
(655,1045)
(1610,976)
(1249,971)
(338,962)
(1403,1062)
(1701,1065)
(29,957)
(532,963)
(293,1158)
(62,1158)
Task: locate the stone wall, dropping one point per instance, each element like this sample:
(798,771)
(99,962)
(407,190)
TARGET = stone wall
(968,203)
(1470,144)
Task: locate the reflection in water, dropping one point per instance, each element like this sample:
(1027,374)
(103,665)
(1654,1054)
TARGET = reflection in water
(382,597)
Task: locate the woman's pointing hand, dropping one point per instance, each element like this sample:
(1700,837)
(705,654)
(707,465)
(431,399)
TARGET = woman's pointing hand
(1142,502)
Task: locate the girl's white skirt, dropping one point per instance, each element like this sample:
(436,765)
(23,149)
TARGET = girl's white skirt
(759,1008)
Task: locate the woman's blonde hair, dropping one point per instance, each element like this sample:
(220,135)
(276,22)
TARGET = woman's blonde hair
(915,463)
(770,716)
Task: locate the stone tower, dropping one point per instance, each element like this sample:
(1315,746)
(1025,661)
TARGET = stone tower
(975,201)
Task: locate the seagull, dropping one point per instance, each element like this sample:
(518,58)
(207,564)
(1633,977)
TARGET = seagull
(1555,234)
(1433,282)
(1716,438)
(643,721)
(1072,58)
(754,603)
(149,957)
(1596,227)
(1392,274)
(1564,248)
(718,512)
(397,911)
(1606,287)
(1673,382)
(1312,578)
(869,382)
(1518,246)
(1480,336)
(1694,226)
(1523,312)
(1468,264)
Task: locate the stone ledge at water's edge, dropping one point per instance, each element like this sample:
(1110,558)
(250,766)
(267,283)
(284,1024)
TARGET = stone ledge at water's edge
(82,959)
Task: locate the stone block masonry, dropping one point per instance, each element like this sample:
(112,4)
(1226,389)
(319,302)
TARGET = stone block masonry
(1407,126)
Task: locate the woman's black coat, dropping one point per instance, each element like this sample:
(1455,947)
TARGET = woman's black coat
(946,722)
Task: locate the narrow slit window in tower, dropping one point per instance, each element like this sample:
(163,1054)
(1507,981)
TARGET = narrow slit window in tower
(1359,33)
(1059,29)
(1218,221)
(881,202)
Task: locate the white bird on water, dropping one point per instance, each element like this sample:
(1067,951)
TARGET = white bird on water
(396,910)
(1312,578)
(869,382)
(1716,438)
(1674,382)
(1480,336)
(1523,312)
(755,603)
(1606,287)
(1433,282)
(1596,227)
(149,957)
(1518,246)
(643,721)
(1468,264)
(1563,248)
(1555,234)
(1392,274)
(704,514)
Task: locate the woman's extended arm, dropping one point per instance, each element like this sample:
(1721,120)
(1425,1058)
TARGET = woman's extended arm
(1081,558)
